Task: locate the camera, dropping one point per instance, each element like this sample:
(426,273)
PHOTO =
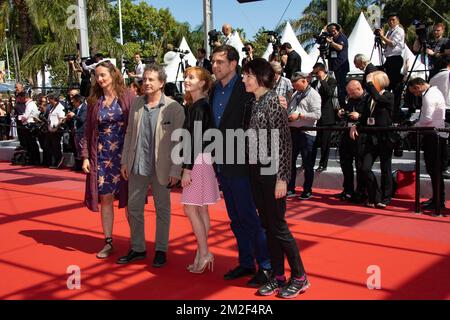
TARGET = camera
(70,57)
(245,49)
(421,30)
(213,37)
(321,40)
(275,39)
(181,51)
(148,60)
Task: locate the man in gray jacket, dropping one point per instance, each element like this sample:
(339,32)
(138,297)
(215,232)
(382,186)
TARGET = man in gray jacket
(303,111)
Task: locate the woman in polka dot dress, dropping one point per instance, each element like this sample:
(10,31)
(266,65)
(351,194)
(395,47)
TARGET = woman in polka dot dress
(199,182)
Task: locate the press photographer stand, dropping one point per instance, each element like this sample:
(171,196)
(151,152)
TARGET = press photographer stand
(423,51)
(377,45)
(182,68)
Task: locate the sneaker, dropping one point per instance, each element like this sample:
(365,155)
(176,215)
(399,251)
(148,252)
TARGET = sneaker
(160,259)
(270,287)
(294,288)
(446,174)
(260,278)
(344,196)
(321,169)
(290,194)
(305,195)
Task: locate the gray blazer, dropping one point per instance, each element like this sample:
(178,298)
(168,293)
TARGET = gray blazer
(171,117)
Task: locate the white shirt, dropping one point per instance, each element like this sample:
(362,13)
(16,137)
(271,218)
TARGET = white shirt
(309,105)
(31,110)
(139,71)
(442,81)
(55,117)
(432,113)
(396,35)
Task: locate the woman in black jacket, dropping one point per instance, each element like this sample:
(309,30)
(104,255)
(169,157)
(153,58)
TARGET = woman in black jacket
(377,113)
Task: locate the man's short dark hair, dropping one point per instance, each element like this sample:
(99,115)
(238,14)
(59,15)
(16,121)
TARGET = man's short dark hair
(201,50)
(333,24)
(54,95)
(416,81)
(262,70)
(285,46)
(320,66)
(78,98)
(393,14)
(249,44)
(231,52)
(162,76)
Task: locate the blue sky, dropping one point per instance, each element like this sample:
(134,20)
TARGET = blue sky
(248,16)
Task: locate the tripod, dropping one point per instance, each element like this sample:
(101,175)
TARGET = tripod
(182,68)
(423,51)
(377,45)
(322,54)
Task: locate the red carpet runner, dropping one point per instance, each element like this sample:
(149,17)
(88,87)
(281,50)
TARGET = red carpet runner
(45,229)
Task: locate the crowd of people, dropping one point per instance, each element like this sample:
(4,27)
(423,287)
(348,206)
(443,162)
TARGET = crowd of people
(122,138)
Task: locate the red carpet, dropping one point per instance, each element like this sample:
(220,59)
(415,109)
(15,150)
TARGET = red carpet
(45,228)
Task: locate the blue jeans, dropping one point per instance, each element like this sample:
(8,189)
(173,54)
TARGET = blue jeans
(245,222)
(302,143)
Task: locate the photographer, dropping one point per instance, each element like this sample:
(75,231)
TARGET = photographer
(283,86)
(56,115)
(432,114)
(363,63)
(75,69)
(433,48)
(294,61)
(226,30)
(27,119)
(372,144)
(326,86)
(348,148)
(78,115)
(394,45)
(138,69)
(202,61)
(338,57)
(248,49)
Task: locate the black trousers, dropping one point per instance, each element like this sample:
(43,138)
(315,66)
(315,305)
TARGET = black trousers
(46,156)
(370,150)
(348,152)
(272,212)
(54,147)
(393,68)
(434,161)
(31,146)
(323,140)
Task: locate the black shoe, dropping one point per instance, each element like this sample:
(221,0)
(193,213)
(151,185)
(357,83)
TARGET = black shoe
(239,272)
(305,195)
(427,202)
(293,288)
(260,278)
(343,196)
(446,174)
(290,194)
(160,259)
(132,256)
(321,169)
(432,206)
(270,287)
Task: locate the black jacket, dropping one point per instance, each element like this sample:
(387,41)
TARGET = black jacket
(206,64)
(383,110)
(293,64)
(200,111)
(369,69)
(233,117)
(326,91)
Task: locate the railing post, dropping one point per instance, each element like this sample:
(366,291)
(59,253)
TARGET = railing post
(417,203)
(437,209)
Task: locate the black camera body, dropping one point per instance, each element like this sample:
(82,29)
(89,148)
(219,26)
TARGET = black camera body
(70,57)
(245,49)
(213,37)
(421,30)
(148,60)
(181,51)
(275,39)
(321,40)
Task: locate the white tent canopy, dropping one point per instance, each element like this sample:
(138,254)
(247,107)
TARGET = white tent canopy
(408,60)
(288,35)
(172,62)
(362,40)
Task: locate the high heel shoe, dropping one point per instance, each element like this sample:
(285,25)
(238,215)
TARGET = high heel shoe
(192,265)
(203,263)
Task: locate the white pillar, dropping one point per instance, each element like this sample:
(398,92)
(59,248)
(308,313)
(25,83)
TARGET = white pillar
(84,38)
(120,21)
(332,9)
(7,58)
(208,23)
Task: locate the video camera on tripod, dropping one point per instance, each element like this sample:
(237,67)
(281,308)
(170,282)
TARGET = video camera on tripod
(275,39)
(213,37)
(321,40)
(181,51)
(421,31)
